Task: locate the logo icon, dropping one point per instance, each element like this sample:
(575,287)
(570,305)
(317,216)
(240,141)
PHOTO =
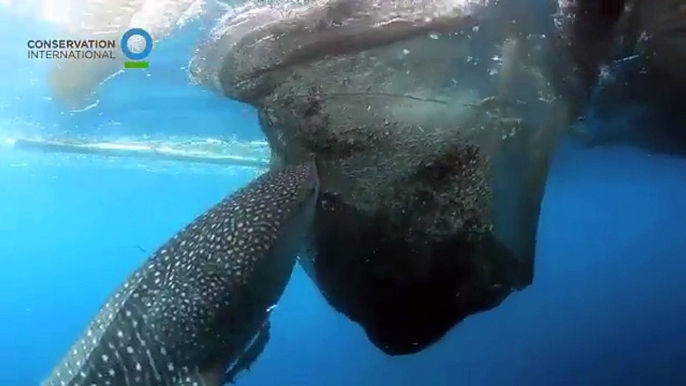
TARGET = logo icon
(136,58)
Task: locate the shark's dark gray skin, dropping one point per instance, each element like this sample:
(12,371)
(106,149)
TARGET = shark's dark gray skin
(199,302)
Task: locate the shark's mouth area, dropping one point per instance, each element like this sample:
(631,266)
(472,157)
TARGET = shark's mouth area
(251,51)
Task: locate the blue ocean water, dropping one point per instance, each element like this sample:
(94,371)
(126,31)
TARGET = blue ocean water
(606,306)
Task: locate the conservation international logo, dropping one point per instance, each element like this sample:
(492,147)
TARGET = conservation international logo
(93,49)
(136,59)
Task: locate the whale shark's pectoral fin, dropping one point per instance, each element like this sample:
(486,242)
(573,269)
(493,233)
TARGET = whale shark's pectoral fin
(245,361)
(213,377)
(219,375)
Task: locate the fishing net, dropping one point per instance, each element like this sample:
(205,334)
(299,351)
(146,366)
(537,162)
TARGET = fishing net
(433,123)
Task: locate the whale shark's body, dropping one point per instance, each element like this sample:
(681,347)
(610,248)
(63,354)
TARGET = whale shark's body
(201,303)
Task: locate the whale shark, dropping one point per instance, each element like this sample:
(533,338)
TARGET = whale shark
(197,311)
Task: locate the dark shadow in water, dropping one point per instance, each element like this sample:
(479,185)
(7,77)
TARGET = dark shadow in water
(636,106)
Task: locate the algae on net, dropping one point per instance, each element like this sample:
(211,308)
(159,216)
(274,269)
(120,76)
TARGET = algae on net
(433,124)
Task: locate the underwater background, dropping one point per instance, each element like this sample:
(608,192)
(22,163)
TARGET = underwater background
(606,306)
